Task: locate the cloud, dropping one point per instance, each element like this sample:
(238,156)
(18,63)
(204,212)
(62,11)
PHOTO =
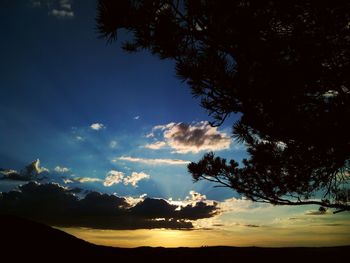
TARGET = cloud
(156,145)
(132,201)
(56,205)
(62,13)
(195,196)
(35,168)
(136,117)
(113,177)
(63,9)
(164,127)
(134,178)
(58,8)
(160,208)
(252,225)
(150,135)
(199,210)
(68,181)
(152,161)
(79,138)
(154,208)
(97,126)
(116,177)
(113,144)
(190,138)
(86,179)
(33,171)
(10,174)
(61,169)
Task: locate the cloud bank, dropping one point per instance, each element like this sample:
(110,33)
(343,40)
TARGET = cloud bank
(33,171)
(56,205)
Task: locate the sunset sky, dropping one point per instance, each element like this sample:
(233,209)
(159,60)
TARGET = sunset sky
(105,121)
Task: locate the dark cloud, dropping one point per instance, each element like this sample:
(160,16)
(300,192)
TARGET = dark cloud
(33,171)
(198,210)
(96,203)
(12,175)
(154,208)
(159,208)
(56,205)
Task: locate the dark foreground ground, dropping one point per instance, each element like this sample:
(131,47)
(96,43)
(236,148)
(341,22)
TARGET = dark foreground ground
(22,239)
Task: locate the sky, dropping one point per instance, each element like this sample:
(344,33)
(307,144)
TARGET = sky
(84,122)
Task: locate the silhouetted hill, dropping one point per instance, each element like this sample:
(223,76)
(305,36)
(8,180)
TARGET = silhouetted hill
(24,239)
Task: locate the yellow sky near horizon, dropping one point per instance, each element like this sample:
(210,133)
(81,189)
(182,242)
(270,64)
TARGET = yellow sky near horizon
(242,224)
(272,237)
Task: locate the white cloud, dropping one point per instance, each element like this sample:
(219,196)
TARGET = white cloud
(79,138)
(35,167)
(62,13)
(61,169)
(192,199)
(57,8)
(135,200)
(68,181)
(81,180)
(152,161)
(63,9)
(116,177)
(136,117)
(97,126)
(113,144)
(113,177)
(190,138)
(156,145)
(158,128)
(150,135)
(87,179)
(164,127)
(196,197)
(134,178)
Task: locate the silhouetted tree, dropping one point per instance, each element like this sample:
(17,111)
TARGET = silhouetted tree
(284,65)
